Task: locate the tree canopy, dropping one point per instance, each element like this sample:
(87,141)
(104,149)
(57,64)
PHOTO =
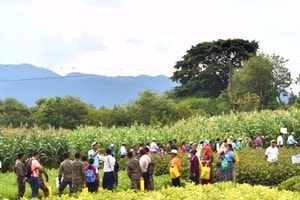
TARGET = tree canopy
(206,68)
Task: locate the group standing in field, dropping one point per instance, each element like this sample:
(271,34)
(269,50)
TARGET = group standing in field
(140,166)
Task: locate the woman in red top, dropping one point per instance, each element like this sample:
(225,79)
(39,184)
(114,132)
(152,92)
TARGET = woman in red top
(91,182)
(207,160)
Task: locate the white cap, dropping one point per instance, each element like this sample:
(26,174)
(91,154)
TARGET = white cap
(173,151)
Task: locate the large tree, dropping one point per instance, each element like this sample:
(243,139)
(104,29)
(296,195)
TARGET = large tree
(262,75)
(207,67)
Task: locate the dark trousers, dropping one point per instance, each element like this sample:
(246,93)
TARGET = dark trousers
(44,188)
(146,177)
(92,187)
(195,178)
(176,182)
(63,185)
(108,180)
(34,184)
(21,187)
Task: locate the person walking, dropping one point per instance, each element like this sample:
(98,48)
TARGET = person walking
(108,169)
(20,173)
(272,152)
(133,170)
(42,184)
(65,174)
(176,165)
(36,167)
(78,174)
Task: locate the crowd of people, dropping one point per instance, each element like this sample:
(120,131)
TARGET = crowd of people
(84,169)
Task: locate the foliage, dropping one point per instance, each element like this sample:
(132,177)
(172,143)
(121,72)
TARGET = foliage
(206,67)
(292,184)
(254,169)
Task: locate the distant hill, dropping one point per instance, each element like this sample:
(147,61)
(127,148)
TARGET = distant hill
(28,83)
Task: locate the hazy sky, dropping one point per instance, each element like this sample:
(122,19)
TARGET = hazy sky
(132,37)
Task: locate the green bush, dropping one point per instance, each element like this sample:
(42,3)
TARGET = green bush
(292,184)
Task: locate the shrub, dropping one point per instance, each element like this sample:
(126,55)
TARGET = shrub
(292,184)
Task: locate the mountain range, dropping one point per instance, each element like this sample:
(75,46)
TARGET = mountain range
(28,83)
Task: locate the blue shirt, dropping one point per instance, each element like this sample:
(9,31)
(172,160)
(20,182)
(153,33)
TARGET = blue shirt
(96,157)
(230,156)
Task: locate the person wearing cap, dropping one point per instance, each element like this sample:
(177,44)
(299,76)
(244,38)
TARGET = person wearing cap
(291,142)
(175,162)
(194,167)
(272,152)
(94,153)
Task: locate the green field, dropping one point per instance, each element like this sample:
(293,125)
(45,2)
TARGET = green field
(252,171)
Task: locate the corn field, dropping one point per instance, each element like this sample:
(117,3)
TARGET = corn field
(52,143)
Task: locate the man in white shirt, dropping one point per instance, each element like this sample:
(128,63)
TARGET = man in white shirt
(94,153)
(153,146)
(123,151)
(108,169)
(272,152)
(144,163)
(280,140)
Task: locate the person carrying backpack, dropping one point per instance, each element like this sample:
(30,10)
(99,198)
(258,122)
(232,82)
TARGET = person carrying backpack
(91,176)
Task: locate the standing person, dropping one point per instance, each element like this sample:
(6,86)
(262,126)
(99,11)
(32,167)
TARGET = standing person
(189,147)
(112,149)
(42,184)
(34,178)
(239,144)
(182,148)
(221,176)
(85,161)
(216,145)
(168,146)
(153,146)
(291,142)
(150,169)
(144,162)
(94,153)
(207,160)
(123,151)
(229,155)
(20,173)
(91,176)
(65,174)
(280,140)
(272,152)
(259,142)
(133,171)
(108,169)
(78,174)
(175,163)
(194,167)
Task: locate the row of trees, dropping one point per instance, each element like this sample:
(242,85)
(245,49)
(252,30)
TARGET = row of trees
(215,77)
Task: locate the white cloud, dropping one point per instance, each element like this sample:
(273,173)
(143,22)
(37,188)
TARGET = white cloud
(132,37)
